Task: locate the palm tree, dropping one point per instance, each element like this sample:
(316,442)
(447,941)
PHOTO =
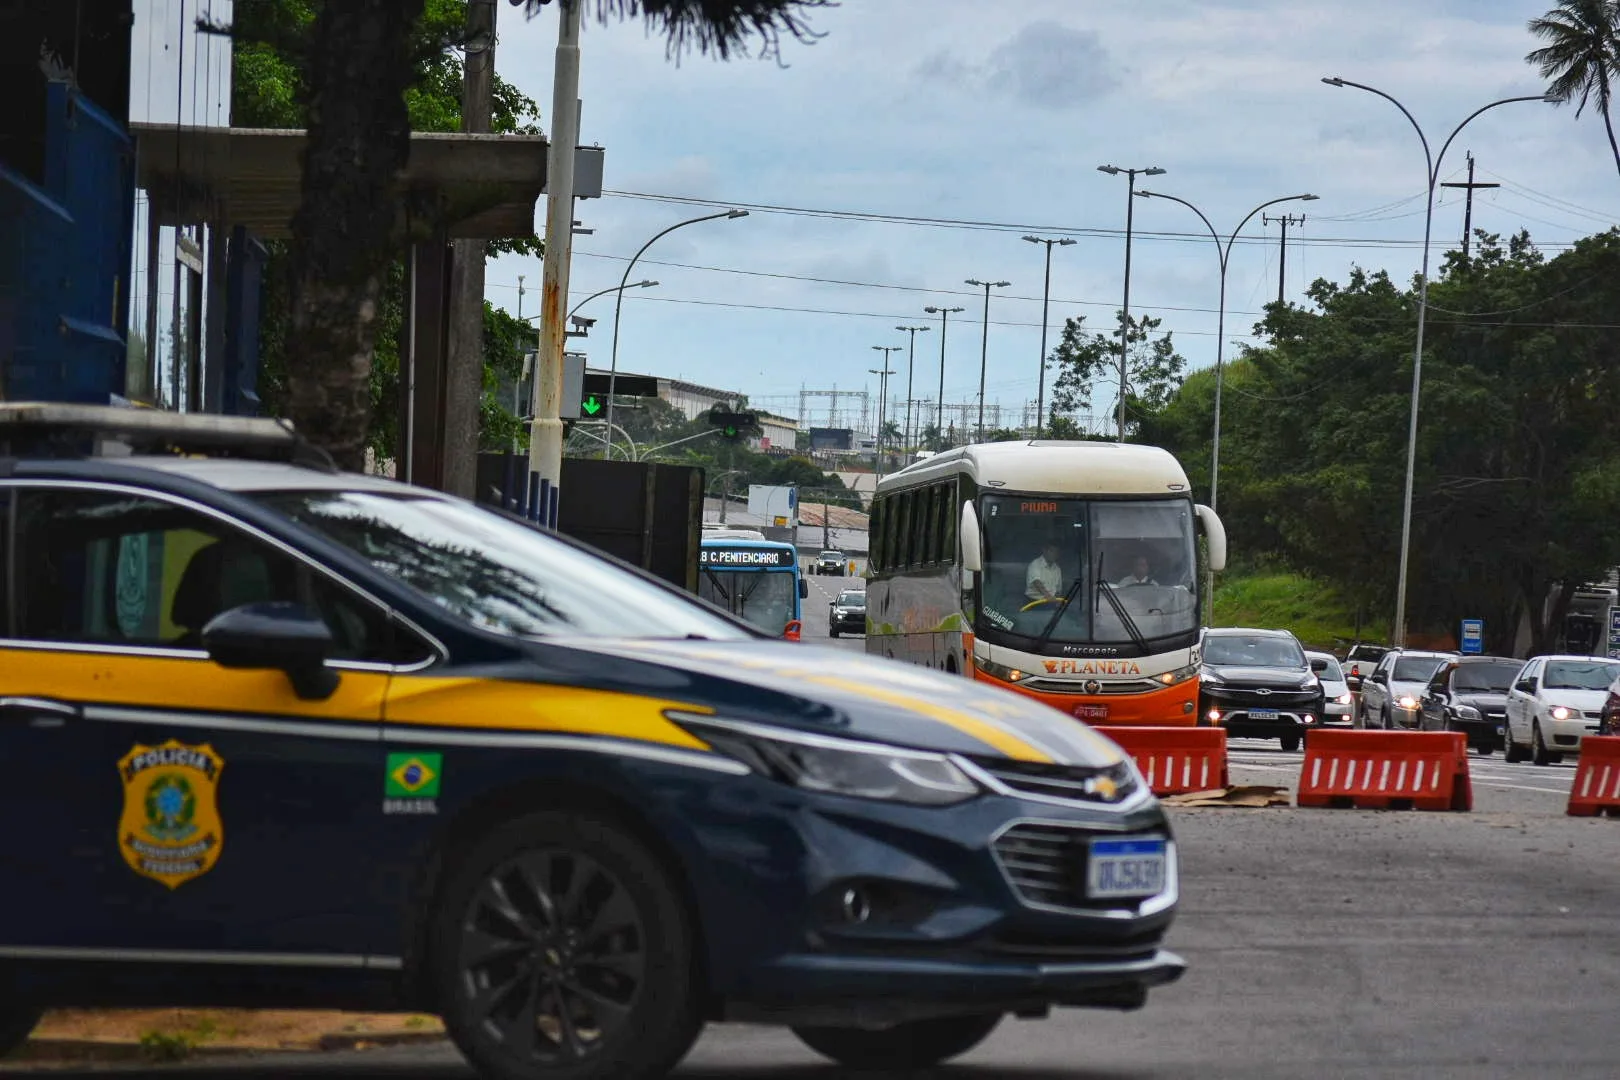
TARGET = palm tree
(1581,56)
(348,229)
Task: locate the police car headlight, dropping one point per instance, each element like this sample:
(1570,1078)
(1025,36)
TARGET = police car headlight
(837,766)
(1344,699)
(1560,713)
(1407,702)
(1467,712)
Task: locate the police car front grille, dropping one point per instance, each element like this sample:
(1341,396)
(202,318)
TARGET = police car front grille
(1044,863)
(1072,783)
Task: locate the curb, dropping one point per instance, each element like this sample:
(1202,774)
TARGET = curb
(43,1050)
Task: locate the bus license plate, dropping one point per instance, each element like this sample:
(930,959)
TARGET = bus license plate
(1125,868)
(1263,714)
(1091,712)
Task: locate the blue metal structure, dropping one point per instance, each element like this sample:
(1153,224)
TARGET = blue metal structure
(64,259)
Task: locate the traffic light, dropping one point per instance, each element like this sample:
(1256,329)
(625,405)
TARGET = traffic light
(733,424)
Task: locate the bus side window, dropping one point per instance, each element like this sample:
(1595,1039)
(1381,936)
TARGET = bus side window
(936,544)
(874,536)
(949,517)
(903,534)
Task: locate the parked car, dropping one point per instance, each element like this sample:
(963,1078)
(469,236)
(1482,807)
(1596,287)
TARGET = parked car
(830,562)
(1258,685)
(1336,696)
(1359,662)
(1609,720)
(1554,702)
(1470,695)
(1389,696)
(847,614)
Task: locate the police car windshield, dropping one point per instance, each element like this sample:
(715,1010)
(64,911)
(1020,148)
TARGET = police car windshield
(496,573)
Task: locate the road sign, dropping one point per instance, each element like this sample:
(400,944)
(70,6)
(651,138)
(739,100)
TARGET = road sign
(1614,633)
(1473,637)
(591,405)
(569,408)
(596,382)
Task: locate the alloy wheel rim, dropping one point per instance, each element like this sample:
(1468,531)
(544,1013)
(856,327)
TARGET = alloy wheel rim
(552,957)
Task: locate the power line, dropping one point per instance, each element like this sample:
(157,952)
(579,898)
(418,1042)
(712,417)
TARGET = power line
(1347,243)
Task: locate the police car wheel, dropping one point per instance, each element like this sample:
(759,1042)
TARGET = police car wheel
(561,948)
(16,1024)
(914,1045)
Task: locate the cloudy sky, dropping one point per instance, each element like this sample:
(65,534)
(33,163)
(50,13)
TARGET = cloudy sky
(998,115)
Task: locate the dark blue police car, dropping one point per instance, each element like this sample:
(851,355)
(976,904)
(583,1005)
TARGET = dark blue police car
(284,736)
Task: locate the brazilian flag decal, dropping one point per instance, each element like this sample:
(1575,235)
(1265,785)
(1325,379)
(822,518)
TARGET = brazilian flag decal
(412,776)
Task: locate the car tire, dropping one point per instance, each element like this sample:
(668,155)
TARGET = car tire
(832,631)
(1512,752)
(1384,721)
(918,1044)
(1289,743)
(17,1022)
(1538,746)
(527,996)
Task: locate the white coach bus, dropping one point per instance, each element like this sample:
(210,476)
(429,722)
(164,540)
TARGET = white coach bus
(1067,571)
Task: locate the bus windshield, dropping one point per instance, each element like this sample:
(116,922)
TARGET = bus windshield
(1088,571)
(763,598)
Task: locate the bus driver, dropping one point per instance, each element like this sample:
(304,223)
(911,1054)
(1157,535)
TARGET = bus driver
(1044,578)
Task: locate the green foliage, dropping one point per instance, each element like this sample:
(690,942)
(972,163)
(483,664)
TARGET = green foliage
(1581,56)
(1003,435)
(269,40)
(1316,612)
(1083,360)
(1517,450)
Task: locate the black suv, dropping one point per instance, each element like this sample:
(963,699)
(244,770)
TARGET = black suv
(830,562)
(847,613)
(1258,685)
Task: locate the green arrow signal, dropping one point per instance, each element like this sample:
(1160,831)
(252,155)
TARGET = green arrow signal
(591,406)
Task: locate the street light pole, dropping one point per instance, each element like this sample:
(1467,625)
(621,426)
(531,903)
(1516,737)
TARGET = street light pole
(1125,314)
(1432,178)
(883,388)
(618,303)
(1046,297)
(984,343)
(1223,252)
(883,394)
(944,314)
(611,289)
(911,364)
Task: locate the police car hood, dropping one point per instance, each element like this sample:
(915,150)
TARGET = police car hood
(832,692)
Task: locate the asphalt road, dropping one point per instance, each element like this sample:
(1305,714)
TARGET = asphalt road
(1322,943)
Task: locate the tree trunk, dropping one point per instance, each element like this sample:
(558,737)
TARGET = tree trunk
(1608,126)
(345,232)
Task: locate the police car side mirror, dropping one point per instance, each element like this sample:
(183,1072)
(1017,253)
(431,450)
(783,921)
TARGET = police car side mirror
(279,636)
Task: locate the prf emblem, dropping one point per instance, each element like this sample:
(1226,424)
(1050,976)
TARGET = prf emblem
(171,831)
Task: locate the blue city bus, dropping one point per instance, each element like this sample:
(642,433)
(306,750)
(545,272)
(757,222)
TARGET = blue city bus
(758,581)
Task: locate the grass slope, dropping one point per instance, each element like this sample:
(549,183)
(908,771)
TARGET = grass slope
(1317,615)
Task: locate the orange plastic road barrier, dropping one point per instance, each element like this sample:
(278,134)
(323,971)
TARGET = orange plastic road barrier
(1386,770)
(1175,759)
(1597,778)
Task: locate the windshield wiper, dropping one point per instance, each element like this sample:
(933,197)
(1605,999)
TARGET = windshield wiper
(1119,609)
(1057,615)
(719,588)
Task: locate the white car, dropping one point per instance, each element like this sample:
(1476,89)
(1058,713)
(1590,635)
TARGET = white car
(1554,702)
(1391,695)
(1335,691)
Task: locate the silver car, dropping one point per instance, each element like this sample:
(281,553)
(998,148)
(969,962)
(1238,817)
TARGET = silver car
(1391,696)
(1336,695)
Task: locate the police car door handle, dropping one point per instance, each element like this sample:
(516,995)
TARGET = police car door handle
(41,712)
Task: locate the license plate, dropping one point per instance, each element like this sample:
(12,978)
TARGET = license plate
(1119,869)
(1263,714)
(1091,712)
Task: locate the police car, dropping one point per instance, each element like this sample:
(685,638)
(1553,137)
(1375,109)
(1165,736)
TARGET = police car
(278,735)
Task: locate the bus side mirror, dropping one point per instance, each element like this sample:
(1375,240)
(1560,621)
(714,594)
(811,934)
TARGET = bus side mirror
(972,554)
(804,589)
(1215,533)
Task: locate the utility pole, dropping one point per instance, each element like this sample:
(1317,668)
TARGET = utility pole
(545,434)
(1468,210)
(826,524)
(464,367)
(883,403)
(1282,258)
(984,342)
(944,314)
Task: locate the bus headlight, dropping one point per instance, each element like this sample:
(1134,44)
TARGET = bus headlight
(1180,675)
(1002,672)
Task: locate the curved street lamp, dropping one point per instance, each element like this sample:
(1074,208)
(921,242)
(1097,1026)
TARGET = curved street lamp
(1224,252)
(1125,312)
(613,368)
(1432,178)
(604,292)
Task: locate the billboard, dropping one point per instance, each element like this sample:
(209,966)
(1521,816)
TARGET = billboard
(777,505)
(823,438)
